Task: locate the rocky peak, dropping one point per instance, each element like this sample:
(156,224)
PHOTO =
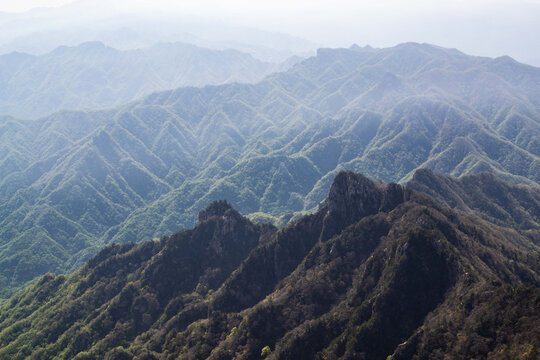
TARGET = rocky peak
(357,194)
(349,186)
(230,227)
(216,209)
(353,196)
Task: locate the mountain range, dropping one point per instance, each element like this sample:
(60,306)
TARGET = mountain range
(378,271)
(93,76)
(76,181)
(41,30)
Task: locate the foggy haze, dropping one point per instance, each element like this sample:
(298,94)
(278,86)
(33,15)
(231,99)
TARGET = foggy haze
(478,27)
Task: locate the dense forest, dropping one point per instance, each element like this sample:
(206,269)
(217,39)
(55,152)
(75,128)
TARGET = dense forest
(379,271)
(76,181)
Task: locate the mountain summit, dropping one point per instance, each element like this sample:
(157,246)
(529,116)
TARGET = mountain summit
(379,271)
(146,169)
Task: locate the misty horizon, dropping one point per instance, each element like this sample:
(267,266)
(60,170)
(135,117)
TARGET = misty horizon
(480,28)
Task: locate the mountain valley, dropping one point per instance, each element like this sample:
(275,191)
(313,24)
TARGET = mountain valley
(76,181)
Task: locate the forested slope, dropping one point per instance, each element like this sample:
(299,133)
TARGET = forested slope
(72,182)
(379,271)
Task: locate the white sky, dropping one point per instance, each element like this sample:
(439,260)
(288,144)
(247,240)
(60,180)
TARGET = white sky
(479,27)
(242,7)
(24,5)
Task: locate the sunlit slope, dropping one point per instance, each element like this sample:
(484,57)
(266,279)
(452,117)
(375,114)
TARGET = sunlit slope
(75,181)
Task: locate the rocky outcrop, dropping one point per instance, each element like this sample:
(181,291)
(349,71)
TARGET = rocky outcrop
(379,270)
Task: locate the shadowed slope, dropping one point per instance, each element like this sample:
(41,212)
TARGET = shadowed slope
(377,270)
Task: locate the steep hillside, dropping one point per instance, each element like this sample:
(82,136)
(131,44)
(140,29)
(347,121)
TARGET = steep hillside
(379,271)
(93,76)
(505,204)
(75,181)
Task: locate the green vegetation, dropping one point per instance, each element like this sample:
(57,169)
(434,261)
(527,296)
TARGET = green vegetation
(379,269)
(77,181)
(265,351)
(487,196)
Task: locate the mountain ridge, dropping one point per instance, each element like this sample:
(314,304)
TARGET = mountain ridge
(469,192)
(378,271)
(92,75)
(147,168)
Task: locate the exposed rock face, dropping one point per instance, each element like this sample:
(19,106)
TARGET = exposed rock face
(380,270)
(353,196)
(217,208)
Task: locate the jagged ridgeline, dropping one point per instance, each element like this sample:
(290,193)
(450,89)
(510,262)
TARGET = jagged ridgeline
(73,182)
(380,271)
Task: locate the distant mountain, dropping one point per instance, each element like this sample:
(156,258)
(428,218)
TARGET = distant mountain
(76,181)
(41,30)
(263,46)
(94,76)
(379,271)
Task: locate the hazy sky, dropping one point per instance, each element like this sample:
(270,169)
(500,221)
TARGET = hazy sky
(479,27)
(23,5)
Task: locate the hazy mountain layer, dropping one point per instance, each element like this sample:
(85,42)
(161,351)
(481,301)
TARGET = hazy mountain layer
(42,30)
(76,181)
(380,271)
(94,76)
